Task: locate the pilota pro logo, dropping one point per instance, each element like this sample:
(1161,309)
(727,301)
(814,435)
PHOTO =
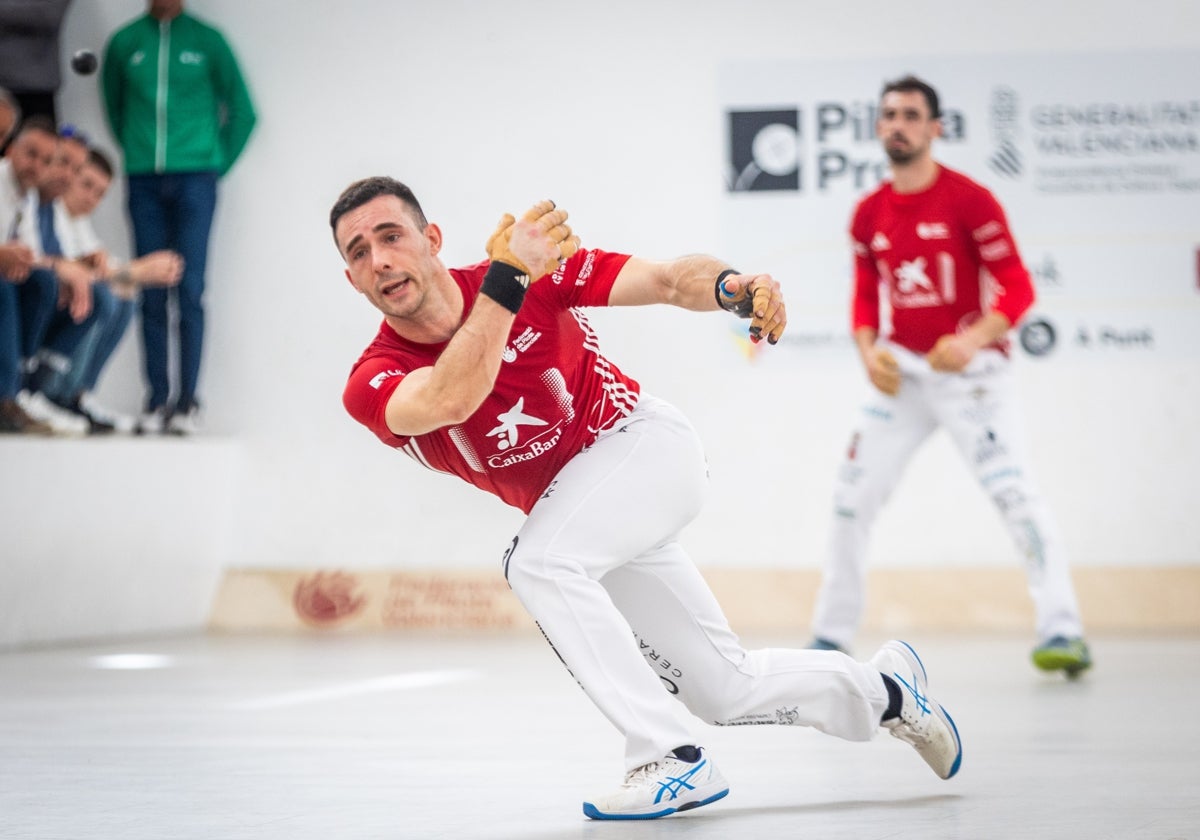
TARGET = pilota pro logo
(764,150)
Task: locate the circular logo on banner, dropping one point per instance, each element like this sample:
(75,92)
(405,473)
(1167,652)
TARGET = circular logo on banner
(327,598)
(1037,337)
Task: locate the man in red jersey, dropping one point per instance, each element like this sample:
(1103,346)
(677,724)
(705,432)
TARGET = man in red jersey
(940,245)
(492,373)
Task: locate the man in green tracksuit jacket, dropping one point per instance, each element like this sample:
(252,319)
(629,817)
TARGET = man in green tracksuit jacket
(179,108)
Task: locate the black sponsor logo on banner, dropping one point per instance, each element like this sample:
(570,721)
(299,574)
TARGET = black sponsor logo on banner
(764,150)
(1037,337)
(827,146)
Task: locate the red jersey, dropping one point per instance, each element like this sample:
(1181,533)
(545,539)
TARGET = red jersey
(945,255)
(554,393)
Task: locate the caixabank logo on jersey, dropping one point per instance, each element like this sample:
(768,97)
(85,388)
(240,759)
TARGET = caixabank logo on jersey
(824,147)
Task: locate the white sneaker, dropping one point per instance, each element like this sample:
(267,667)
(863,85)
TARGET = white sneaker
(922,721)
(61,422)
(185,422)
(152,422)
(661,788)
(121,422)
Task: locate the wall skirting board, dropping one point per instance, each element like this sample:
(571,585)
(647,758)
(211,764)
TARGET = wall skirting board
(1111,598)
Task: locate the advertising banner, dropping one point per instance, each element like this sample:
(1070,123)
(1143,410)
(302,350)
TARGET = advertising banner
(1095,157)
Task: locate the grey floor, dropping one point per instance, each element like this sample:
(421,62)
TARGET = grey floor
(466,736)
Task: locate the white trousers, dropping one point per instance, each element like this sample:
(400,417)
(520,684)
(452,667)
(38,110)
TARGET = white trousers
(599,567)
(978,408)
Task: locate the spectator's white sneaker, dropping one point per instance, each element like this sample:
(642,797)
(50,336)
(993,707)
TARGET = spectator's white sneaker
(120,422)
(152,422)
(185,422)
(922,721)
(661,788)
(61,422)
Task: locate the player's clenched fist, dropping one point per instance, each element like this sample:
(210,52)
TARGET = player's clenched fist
(951,354)
(535,245)
(883,370)
(759,298)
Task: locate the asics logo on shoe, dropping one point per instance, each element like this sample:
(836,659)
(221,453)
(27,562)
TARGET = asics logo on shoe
(921,699)
(672,786)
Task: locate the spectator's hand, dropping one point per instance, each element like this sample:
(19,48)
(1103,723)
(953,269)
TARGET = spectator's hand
(537,244)
(16,261)
(158,268)
(97,261)
(74,289)
(951,354)
(767,313)
(883,370)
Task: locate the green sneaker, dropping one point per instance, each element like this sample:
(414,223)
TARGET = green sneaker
(1071,656)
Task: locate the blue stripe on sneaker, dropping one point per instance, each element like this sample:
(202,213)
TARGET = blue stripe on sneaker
(674,784)
(957,740)
(591,811)
(924,675)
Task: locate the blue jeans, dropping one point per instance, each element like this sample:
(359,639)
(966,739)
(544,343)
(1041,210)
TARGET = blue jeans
(65,342)
(173,210)
(10,341)
(38,296)
(104,341)
(110,317)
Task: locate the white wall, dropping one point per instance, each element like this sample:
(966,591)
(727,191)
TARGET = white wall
(611,109)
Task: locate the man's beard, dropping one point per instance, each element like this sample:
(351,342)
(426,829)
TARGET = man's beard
(901,156)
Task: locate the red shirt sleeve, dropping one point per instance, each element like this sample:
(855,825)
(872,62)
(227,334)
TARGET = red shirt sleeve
(864,307)
(371,384)
(587,278)
(997,250)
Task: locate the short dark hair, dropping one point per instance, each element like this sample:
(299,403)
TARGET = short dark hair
(368,189)
(37,122)
(911,84)
(10,102)
(100,160)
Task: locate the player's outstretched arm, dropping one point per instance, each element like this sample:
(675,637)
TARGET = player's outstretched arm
(703,283)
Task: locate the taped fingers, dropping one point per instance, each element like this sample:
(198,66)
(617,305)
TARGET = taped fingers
(559,232)
(568,247)
(538,210)
(551,220)
(506,221)
(770,315)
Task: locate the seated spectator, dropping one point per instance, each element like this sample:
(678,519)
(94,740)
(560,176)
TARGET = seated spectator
(25,158)
(59,307)
(77,236)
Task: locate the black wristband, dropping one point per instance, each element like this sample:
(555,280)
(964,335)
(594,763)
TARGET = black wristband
(506,285)
(743,308)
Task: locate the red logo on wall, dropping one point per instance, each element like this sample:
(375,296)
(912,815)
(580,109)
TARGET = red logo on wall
(327,598)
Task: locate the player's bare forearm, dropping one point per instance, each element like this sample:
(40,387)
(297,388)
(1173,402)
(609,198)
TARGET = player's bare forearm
(691,283)
(864,339)
(456,385)
(686,282)
(953,353)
